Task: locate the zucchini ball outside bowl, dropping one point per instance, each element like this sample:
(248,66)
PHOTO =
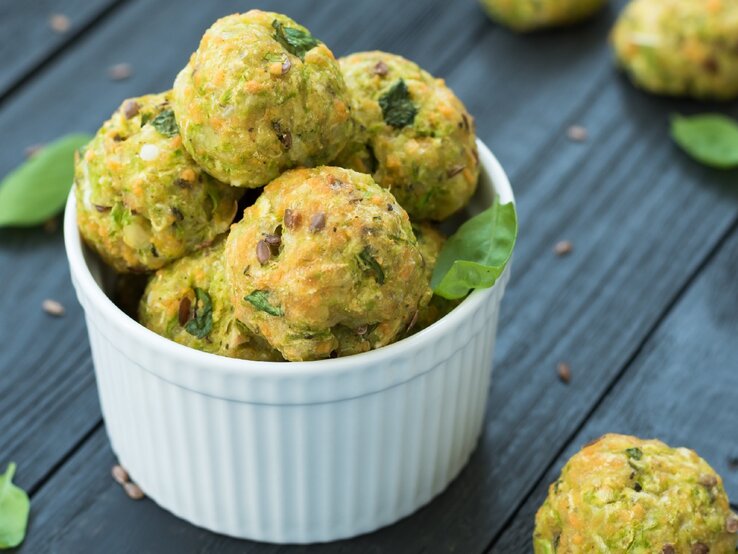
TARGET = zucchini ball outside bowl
(530,15)
(261,95)
(624,494)
(414,135)
(142,202)
(325,264)
(680,47)
(189,302)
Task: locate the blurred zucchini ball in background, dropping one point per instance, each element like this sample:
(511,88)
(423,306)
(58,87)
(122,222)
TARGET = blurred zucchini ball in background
(189,302)
(325,264)
(624,494)
(259,96)
(530,15)
(680,47)
(142,202)
(414,135)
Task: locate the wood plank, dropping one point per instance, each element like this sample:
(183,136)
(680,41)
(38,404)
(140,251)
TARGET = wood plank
(593,308)
(30,42)
(47,380)
(683,389)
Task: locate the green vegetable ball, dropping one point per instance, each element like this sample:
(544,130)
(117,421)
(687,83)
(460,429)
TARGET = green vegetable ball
(142,202)
(261,95)
(624,494)
(325,264)
(430,242)
(680,47)
(415,136)
(530,15)
(189,302)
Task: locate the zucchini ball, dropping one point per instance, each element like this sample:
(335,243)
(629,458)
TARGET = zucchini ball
(259,96)
(680,47)
(142,202)
(325,264)
(624,494)
(414,135)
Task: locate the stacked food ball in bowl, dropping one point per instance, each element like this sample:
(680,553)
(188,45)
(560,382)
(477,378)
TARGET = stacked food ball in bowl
(356,158)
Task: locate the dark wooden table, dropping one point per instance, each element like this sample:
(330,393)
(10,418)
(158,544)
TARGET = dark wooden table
(644,309)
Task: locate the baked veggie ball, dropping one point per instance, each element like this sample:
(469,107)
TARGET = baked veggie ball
(624,494)
(261,95)
(414,135)
(680,47)
(530,15)
(325,264)
(430,242)
(142,202)
(189,302)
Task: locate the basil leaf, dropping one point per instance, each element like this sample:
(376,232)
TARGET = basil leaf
(635,453)
(296,41)
(202,322)
(14,508)
(475,256)
(711,139)
(260,300)
(38,188)
(398,109)
(368,262)
(165,123)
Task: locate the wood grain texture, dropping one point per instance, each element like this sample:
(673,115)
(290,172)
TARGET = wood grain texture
(29,41)
(633,206)
(682,389)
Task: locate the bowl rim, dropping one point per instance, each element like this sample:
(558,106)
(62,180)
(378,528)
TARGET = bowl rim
(82,278)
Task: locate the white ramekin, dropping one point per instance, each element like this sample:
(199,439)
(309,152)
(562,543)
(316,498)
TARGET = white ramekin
(293,452)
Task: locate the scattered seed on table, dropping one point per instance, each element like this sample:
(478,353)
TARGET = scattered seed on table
(119,474)
(564,372)
(52,307)
(577,133)
(59,23)
(32,150)
(120,71)
(133,491)
(563,247)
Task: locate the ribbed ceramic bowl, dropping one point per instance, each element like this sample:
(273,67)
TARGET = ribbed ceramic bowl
(293,452)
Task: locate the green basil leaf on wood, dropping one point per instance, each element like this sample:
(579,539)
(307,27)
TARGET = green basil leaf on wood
(711,139)
(475,256)
(14,509)
(38,188)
